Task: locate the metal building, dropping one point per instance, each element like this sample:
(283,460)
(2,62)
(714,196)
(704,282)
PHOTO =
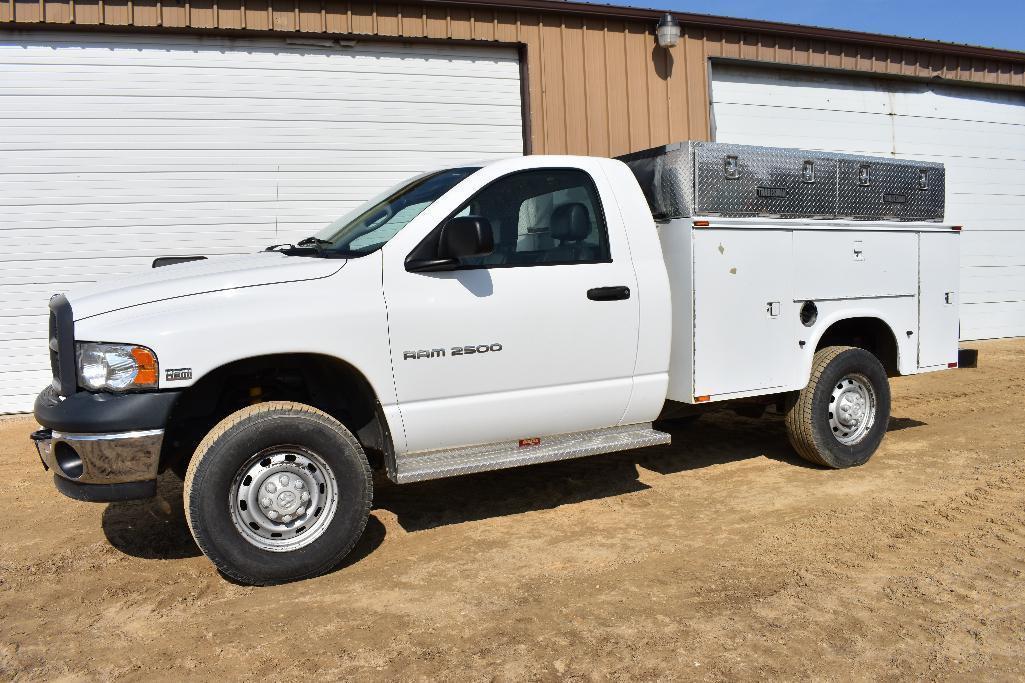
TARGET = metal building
(137,128)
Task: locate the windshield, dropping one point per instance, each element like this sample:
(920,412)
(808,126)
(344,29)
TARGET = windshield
(369,227)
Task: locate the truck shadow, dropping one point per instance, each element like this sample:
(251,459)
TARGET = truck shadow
(156,528)
(716,439)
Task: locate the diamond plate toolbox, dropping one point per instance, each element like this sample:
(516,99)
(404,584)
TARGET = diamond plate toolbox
(737,180)
(874,187)
(718,179)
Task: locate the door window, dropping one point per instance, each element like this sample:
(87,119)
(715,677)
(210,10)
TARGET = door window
(541,217)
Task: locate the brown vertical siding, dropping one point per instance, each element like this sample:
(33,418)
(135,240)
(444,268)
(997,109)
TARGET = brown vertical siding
(597,84)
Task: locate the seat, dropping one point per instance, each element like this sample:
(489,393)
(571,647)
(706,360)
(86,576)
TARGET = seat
(571,224)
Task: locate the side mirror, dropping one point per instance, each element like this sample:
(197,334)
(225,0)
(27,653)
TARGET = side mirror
(465,237)
(462,237)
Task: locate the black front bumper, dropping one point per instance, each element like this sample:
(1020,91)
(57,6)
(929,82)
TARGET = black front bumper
(83,412)
(105,493)
(102,447)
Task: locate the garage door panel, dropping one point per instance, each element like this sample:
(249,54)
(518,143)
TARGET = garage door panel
(806,91)
(211,52)
(284,145)
(993,295)
(100,133)
(979,135)
(19,402)
(981,247)
(950,102)
(994,320)
(47,160)
(463,92)
(848,131)
(203,52)
(997,283)
(943,137)
(132,109)
(118,149)
(980,172)
(987,210)
(296,66)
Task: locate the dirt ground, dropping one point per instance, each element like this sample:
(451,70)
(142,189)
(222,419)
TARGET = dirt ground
(719,557)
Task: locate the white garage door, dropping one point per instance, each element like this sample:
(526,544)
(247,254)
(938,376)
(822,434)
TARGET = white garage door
(979,135)
(116,149)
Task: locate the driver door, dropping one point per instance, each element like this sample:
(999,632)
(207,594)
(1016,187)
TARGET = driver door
(527,341)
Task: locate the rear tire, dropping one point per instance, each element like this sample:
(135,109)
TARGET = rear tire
(277,492)
(840,418)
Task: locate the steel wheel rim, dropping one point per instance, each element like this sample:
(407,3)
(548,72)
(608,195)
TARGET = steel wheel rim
(283,498)
(852,409)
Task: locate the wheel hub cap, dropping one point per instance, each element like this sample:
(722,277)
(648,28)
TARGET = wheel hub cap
(283,499)
(852,409)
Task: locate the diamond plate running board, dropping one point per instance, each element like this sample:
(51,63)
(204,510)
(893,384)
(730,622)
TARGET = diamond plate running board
(451,462)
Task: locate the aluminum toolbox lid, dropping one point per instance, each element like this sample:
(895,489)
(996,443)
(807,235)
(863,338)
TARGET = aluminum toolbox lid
(741,180)
(890,189)
(707,178)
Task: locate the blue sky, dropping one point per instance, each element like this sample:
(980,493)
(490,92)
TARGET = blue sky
(992,23)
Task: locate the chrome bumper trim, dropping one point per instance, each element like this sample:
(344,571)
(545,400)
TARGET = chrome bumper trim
(106,458)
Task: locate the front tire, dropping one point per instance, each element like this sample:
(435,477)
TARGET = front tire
(840,418)
(277,492)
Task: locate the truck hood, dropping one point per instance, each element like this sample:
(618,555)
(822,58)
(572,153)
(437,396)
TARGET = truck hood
(198,277)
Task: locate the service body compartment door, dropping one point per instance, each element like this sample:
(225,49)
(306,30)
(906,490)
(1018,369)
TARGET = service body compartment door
(862,264)
(938,273)
(743,310)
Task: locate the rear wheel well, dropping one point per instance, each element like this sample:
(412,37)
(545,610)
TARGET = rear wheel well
(871,334)
(324,382)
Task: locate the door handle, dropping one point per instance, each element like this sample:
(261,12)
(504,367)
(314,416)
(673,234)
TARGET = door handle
(608,293)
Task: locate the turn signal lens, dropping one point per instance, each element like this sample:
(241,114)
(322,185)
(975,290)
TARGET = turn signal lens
(147,362)
(702,399)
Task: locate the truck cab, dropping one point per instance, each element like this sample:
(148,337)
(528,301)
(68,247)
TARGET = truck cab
(470,318)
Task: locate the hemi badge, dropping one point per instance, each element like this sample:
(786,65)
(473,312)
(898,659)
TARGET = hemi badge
(526,443)
(178,374)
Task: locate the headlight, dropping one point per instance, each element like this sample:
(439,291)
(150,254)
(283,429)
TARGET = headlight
(115,367)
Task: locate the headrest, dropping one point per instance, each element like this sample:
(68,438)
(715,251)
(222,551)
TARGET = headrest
(571,222)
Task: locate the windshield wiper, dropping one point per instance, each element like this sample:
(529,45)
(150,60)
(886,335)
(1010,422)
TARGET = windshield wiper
(309,246)
(313,242)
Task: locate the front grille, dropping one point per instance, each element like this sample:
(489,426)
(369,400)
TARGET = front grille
(54,350)
(61,342)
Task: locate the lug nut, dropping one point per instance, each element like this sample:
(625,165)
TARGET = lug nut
(272,514)
(265,502)
(270,487)
(298,483)
(305,497)
(283,480)
(300,511)
(286,518)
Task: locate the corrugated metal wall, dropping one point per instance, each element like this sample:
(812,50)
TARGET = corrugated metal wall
(596,85)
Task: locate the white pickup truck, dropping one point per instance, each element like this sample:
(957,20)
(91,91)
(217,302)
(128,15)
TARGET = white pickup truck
(493,315)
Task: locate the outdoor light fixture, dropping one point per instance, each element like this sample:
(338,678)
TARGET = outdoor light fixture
(668,31)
